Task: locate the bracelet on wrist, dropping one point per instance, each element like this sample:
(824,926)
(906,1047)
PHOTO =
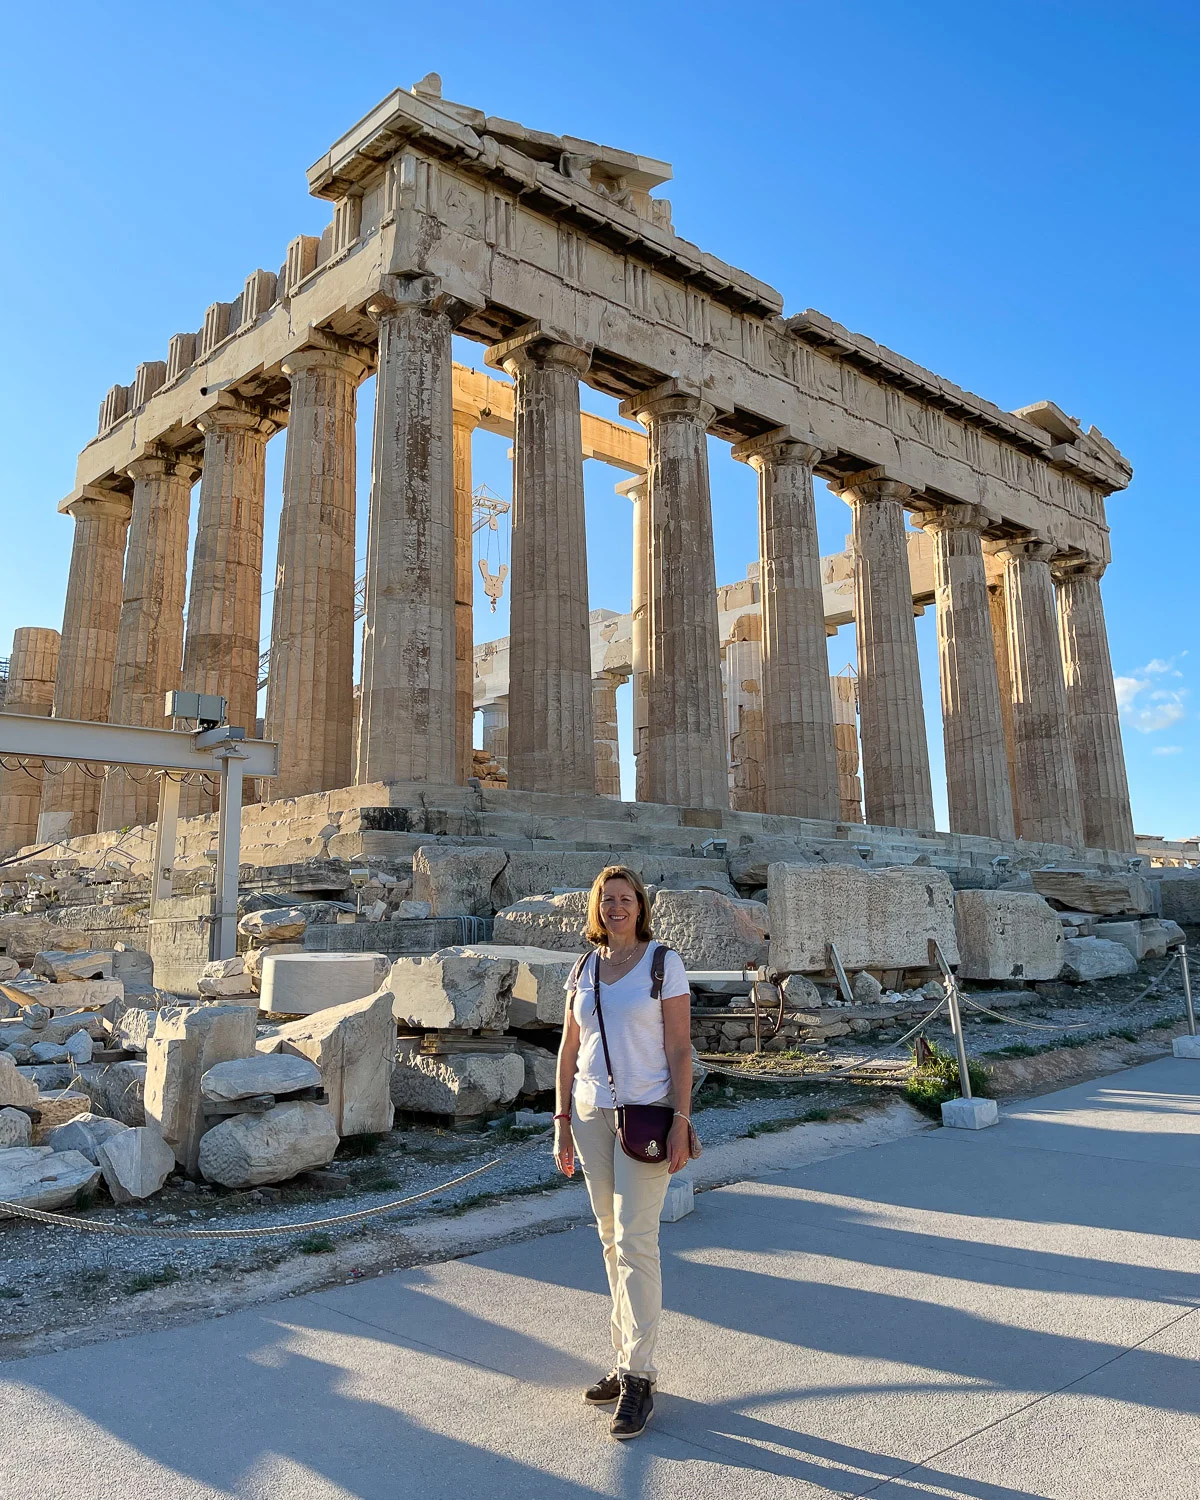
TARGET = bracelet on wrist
(679,1115)
(562,1117)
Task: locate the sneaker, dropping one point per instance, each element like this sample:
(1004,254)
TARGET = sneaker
(605,1391)
(634,1407)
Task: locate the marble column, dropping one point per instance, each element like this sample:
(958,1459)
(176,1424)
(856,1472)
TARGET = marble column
(998,615)
(1047,790)
(220,649)
(895,755)
(551,743)
(977,784)
(843,695)
(310,682)
(83,685)
(686,745)
(637,491)
(493,719)
(800,769)
(408,727)
(1092,708)
(465,423)
(744,715)
(149,652)
(32,666)
(604,718)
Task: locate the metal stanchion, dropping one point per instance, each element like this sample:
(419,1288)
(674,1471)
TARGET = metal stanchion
(1187,989)
(967,1113)
(960,1046)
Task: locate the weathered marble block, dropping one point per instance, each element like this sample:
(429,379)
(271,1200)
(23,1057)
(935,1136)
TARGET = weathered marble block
(354,1048)
(1091,958)
(555,922)
(135,1163)
(711,931)
(461,988)
(879,919)
(538,994)
(1007,935)
(462,1084)
(186,1043)
(456,882)
(248,1150)
(300,984)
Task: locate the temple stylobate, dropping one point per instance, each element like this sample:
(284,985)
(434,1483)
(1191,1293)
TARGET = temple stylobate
(553,253)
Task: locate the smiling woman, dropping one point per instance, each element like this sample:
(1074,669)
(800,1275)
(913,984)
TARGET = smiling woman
(624,1066)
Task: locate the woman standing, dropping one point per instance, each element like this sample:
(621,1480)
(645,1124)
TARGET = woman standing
(626,1042)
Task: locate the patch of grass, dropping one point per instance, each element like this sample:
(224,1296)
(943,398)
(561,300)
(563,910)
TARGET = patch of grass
(360,1145)
(11,1292)
(1018,1049)
(315,1244)
(786,1122)
(375,1182)
(937,1081)
(146,1281)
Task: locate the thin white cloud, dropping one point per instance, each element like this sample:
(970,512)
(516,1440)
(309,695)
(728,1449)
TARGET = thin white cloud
(1167,750)
(1144,703)
(1127,690)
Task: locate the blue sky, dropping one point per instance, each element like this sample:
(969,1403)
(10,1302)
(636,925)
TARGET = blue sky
(1004,193)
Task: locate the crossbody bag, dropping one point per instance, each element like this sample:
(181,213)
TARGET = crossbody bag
(642,1129)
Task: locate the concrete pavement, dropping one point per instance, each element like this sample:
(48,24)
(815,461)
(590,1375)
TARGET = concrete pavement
(996,1316)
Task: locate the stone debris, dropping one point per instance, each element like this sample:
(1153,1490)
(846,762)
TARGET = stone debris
(551,921)
(248,1150)
(538,992)
(541,1066)
(414,911)
(57,1109)
(275,925)
(232,987)
(709,930)
(865,988)
(224,968)
(1105,895)
(460,988)
(71,994)
(135,1163)
(186,1043)
(86,1133)
(79,1047)
(1179,892)
(354,1048)
(1007,934)
(456,882)
(16,1128)
(301,984)
(1087,959)
(9,968)
(40,1177)
(60,967)
(118,1090)
(277,1073)
(253,959)
(463,1084)
(879,919)
(134,968)
(133,1028)
(1147,938)
(15,1088)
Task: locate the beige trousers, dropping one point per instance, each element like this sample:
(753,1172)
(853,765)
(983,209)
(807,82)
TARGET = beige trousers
(627,1199)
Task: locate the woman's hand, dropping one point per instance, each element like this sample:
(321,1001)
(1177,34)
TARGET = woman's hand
(679,1144)
(564,1148)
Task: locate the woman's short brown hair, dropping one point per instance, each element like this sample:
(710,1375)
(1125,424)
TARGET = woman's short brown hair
(595,931)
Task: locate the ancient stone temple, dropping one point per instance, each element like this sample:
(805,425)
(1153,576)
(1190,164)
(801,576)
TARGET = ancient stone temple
(553,253)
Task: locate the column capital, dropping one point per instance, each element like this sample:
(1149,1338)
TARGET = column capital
(539,345)
(872,485)
(322,352)
(779,446)
(159,465)
(93,502)
(958,517)
(668,399)
(415,292)
(1024,549)
(634,488)
(234,414)
(1063,569)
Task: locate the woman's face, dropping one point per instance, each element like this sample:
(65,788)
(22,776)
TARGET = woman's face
(619,908)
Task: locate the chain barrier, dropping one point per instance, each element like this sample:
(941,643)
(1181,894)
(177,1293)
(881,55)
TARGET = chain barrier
(1076,1025)
(155,1232)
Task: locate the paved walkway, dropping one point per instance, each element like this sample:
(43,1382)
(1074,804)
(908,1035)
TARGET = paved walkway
(998,1316)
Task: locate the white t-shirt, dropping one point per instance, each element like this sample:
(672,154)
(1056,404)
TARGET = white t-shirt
(633,1023)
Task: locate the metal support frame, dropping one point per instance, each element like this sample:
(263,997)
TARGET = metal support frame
(937,957)
(223,750)
(1187,989)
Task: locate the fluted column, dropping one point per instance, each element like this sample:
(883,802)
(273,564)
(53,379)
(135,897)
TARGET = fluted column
(551,744)
(977,784)
(149,652)
(407,730)
(310,681)
(800,768)
(1046,786)
(744,715)
(1092,707)
(998,614)
(220,649)
(608,750)
(465,423)
(83,686)
(637,491)
(686,746)
(32,666)
(896,784)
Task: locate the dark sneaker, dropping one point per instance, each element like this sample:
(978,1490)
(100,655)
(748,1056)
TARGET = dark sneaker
(634,1407)
(605,1391)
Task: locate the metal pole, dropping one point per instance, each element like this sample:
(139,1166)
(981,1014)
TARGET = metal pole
(1187,989)
(164,837)
(939,958)
(229,849)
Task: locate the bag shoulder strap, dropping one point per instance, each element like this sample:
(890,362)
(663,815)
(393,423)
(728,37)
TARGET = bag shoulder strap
(658,970)
(603,1035)
(573,981)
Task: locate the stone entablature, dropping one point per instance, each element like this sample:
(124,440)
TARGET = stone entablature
(521,227)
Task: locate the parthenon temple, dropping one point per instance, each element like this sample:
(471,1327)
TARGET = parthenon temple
(553,254)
